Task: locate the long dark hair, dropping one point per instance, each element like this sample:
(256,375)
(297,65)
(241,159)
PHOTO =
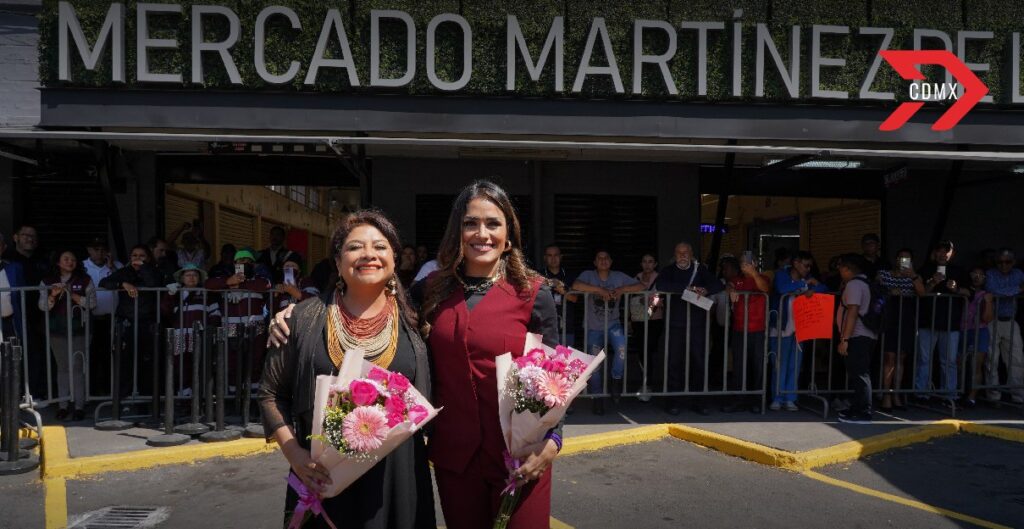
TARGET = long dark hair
(78,272)
(377,219)
(450,256)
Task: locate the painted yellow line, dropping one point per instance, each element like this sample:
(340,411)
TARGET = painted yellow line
(902,501)
(989,430)
(599,441)
(737,447)
(55,503)
(853,450)
(57,463)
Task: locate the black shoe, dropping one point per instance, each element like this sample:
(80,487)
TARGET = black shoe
(854,418)
(616,389)
(597,407)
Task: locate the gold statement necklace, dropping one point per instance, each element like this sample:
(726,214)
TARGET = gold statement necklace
(377,336)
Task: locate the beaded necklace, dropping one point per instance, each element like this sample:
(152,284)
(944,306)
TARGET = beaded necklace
(377,337)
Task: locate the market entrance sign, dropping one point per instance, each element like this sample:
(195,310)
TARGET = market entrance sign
(325,48)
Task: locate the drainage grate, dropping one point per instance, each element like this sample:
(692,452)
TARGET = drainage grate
(121,517)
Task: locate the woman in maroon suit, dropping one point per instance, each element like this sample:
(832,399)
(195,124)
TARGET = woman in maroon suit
(478,305)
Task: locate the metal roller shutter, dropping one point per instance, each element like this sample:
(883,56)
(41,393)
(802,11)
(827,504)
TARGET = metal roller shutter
(237,228)
(837,231)
(626,226)
(179,210)
(317,250)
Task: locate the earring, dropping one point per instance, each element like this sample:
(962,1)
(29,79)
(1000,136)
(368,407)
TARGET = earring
(341,285)
(508,245)
(393,285)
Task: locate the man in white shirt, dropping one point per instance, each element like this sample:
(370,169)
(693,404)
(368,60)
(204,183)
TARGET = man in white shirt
(99,265)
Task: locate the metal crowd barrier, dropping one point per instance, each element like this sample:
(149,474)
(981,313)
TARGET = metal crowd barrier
(143,334)
(658,348)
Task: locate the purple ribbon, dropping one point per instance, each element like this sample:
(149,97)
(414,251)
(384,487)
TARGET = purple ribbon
(511,483)
(308,501)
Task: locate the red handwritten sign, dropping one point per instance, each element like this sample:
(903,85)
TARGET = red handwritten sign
(812,316)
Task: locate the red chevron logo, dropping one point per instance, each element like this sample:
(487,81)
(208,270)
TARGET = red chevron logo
(905,63)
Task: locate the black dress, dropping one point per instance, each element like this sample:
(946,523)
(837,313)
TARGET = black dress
(397,492)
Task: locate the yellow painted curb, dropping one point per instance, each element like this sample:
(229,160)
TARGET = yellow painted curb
(737,447)
(988,430)
(598,441)
(902,501)
(55,503)
(853,450)
(57,463)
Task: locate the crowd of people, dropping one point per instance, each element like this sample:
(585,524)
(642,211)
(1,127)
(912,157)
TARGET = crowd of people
(174,281)
(746,313)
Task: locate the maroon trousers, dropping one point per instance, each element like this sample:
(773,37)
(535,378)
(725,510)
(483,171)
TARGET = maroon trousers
(471,500)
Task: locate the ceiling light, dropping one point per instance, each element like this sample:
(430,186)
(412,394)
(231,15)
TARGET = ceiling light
(822,164)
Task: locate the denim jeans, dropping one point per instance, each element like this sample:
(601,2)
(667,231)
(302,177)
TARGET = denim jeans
(788,373)
(947,342)
(615,354)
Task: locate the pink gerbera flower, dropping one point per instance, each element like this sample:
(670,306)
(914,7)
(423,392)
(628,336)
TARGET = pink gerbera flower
(364,429)
(554,389)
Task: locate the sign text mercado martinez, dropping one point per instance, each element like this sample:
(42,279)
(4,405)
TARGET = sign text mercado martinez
(528,49)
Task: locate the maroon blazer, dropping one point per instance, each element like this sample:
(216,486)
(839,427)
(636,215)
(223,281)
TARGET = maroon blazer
(463,346)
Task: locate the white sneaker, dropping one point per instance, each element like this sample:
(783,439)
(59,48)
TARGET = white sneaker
(775,406)
(791,406)
(645,398)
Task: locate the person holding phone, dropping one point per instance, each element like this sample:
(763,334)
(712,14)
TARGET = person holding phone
(939,319)
(294,287)
(244,301)
(140,272)
(898,328)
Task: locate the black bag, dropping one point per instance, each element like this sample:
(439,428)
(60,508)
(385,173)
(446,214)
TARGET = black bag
(874,319)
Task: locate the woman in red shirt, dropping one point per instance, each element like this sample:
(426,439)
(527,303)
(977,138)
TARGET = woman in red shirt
(478,305)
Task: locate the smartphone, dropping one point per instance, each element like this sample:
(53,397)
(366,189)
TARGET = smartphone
(289,276)
(239,268)
(748,257)
(941,269)
(905,263)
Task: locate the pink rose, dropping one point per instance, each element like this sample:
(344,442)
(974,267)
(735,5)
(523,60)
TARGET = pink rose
(523,361)
(395,404)
(563,351)
(418,413)
(556,365)
(378,374)
(394,419)
(363,393)
(398,383)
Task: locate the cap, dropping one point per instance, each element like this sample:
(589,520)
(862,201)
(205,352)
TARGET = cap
(190,267)
(244,254)
(870,237)
(97,242)
(945,244)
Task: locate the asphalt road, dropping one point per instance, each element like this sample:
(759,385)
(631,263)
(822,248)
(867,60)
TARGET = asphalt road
(665,484)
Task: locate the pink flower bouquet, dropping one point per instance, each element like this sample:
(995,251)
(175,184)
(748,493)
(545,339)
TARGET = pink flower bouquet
(360,416)
(534,391)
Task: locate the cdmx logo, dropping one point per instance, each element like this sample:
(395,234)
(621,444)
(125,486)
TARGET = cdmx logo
(905,63)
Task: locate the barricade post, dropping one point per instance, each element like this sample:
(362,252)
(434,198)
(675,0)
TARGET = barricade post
(197,345)
(220,434)
(14,461)
(249,429)
(117,351)
(169,437)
